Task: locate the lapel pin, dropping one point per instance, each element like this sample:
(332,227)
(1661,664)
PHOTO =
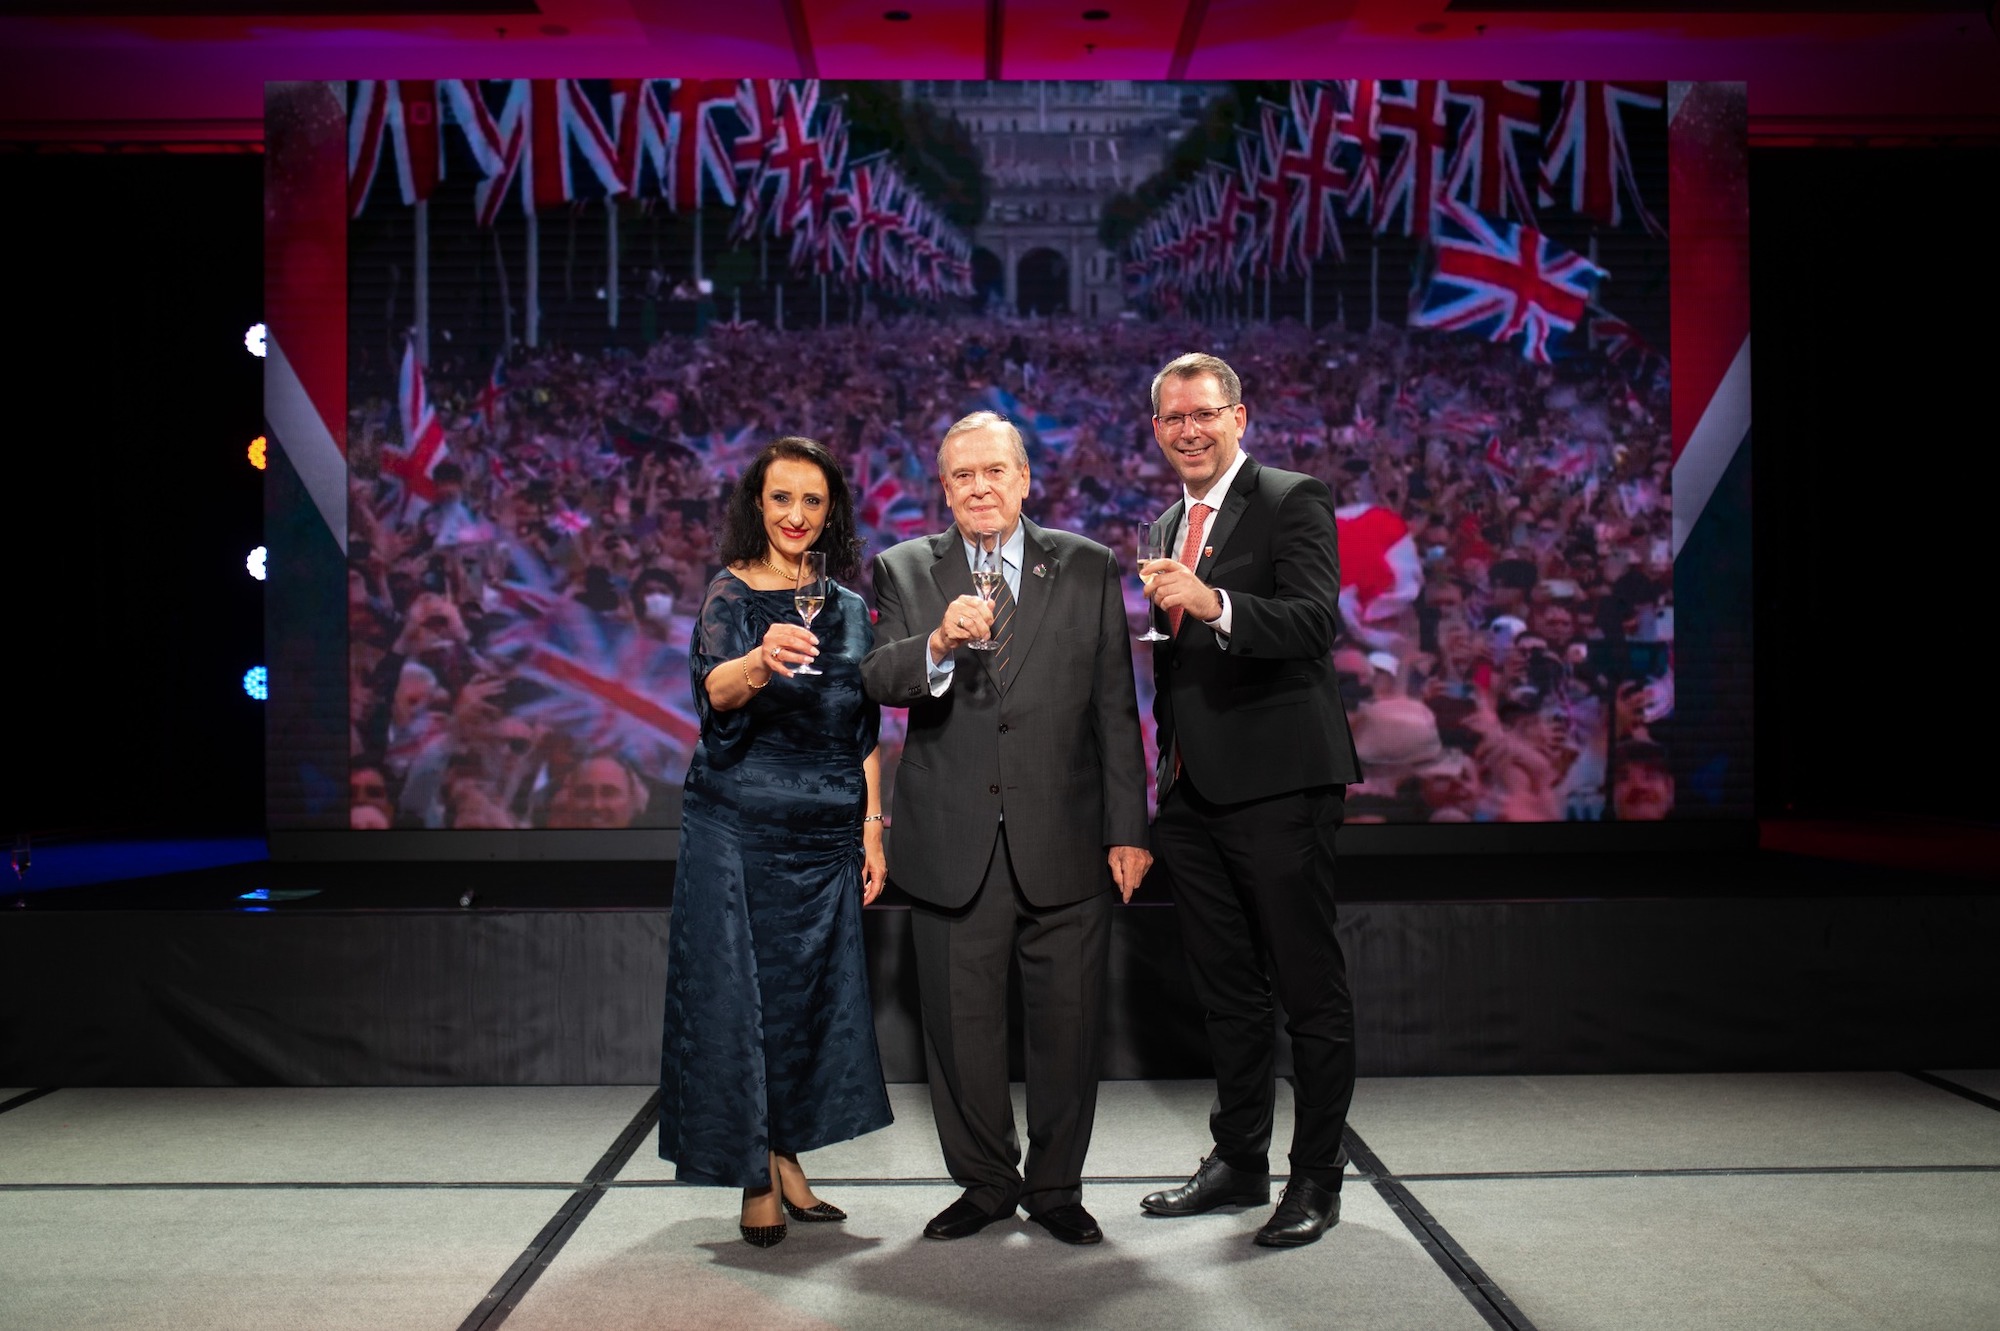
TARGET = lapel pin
(1041,570)
(1208,552)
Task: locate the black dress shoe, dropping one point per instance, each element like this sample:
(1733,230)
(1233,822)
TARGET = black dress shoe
(1214,1184)
(817,1213)
(961,1218)
(1069,1222)
(763,1236)
(1305,1212)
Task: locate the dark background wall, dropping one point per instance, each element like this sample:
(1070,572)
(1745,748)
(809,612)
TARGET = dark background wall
(130,619)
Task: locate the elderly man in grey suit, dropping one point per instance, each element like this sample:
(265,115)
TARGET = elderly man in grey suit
(1020,805)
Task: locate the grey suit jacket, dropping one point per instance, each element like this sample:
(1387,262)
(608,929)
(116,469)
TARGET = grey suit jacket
(1057,752)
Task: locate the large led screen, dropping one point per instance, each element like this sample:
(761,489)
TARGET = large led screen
(574,309)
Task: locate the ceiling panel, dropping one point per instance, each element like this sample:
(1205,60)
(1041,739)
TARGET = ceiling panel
(941,39)
(1051,38)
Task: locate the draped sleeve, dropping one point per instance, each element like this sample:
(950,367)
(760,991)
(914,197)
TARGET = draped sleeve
(724,632)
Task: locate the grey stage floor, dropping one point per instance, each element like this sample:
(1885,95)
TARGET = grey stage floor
(1852,1200)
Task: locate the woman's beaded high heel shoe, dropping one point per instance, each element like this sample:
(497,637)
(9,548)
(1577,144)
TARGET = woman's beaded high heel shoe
(818,1212)
(762,1236)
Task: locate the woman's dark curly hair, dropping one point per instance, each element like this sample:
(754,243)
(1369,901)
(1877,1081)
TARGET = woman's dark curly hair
(743,539)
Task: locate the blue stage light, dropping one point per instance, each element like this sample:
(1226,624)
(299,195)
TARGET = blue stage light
(257,683)
(256,894)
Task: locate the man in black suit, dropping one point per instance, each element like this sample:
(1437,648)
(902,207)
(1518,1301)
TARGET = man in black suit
(1020,803)
(1255,757)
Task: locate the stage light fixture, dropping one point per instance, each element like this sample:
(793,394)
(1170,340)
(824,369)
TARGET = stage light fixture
(257,683)
(260,453)
(253,340)
(255,563)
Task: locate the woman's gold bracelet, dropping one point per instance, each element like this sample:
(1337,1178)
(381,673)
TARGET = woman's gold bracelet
(747,680)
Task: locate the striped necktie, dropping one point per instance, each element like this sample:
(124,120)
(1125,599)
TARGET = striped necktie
(1003,632)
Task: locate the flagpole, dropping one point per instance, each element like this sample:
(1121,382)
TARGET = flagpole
(778,307)
(822,300)
(697,246)
(1374,285)
(534,278)
(423,311)
(1309,295)
(611,256)
(506,298)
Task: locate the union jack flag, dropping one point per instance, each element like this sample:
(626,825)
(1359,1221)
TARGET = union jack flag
(883,512)
(486,407)
(1411,191)
(776,192)
(1486,169)
(1361,135)
(423,434)
(704,166)
(1317,172)
(1589,145)
(404,112)
(618,690)
(1623,345)
(1504,280)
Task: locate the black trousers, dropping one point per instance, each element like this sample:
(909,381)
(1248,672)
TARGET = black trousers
(962,960)
(1253,884)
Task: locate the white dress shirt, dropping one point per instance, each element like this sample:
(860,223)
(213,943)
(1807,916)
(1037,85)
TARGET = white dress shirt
(1214,496)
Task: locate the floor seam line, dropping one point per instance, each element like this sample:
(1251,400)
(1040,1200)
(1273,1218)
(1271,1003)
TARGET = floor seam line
(27,1097)
(1929,1079)
(548,1243)
(1486,1297)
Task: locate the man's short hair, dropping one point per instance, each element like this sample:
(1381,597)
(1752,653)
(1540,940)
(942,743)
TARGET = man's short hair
(1193,365)
(979,420)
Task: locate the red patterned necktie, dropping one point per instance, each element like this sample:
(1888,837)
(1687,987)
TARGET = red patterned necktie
(1190,555)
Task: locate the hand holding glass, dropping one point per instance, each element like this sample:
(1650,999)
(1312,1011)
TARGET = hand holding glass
(986,576)
(1152,540)
(810,596)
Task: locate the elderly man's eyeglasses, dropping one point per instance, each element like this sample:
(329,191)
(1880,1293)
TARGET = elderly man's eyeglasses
(1204,418)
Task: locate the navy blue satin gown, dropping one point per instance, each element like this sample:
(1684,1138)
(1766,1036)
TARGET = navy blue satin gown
(770,1036)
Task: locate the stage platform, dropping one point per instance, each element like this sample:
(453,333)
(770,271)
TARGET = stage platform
(1769,1202)
(258,972)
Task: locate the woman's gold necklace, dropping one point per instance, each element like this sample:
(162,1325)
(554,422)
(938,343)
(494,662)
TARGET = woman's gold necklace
(766,562)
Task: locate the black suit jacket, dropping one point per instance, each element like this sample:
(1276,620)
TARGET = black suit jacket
(1263,716)
(1058,751)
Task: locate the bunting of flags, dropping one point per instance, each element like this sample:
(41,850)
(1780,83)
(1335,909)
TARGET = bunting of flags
(774,149)
(1398,156)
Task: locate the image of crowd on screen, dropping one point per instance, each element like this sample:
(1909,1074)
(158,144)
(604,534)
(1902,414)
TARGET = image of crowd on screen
(520,602)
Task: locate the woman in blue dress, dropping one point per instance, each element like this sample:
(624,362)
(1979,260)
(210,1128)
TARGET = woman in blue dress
(769,1047)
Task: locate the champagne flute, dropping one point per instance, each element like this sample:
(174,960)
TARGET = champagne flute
(1151,537)
(810,596)
(986,575)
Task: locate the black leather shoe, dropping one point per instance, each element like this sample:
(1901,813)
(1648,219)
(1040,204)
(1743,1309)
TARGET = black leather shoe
(817,1213)
(961,1218)
(1214,1184)
(1305,1212)
(1069,1222)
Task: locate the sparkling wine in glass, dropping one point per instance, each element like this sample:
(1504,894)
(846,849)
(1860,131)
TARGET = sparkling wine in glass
(986,575)
(1152,536)
(810,596)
